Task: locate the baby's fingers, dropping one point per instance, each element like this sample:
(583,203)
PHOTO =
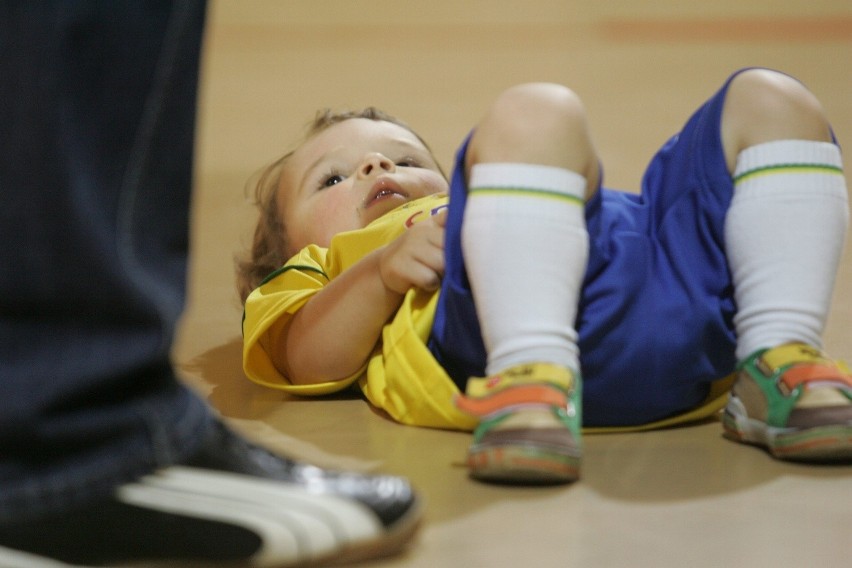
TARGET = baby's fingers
(427,278)
(401,273)
(440,217)
(432,259)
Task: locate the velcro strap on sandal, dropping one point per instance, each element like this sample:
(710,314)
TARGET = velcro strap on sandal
(827,374)
(533,374)
(775,360)
(502,400)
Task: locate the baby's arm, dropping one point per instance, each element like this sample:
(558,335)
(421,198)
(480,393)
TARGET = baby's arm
(333,334)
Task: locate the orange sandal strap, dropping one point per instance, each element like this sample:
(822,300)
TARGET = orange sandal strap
(542,394)
(809,373)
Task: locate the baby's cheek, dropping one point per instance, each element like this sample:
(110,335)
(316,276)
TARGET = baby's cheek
(439,184)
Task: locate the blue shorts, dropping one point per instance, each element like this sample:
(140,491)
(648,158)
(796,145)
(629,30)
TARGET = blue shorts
(655,316)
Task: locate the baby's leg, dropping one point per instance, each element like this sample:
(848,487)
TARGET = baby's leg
(784,235)
(530,167)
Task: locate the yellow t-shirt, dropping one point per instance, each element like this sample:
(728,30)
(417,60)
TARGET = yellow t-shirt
(401,377)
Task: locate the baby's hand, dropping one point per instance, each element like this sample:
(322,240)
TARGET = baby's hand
(415,258)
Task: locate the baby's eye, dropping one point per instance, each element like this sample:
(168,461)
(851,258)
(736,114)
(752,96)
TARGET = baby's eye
(408,163)
(331,179)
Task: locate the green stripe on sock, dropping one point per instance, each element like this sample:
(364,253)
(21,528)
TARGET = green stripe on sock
(526,191)
(789,168)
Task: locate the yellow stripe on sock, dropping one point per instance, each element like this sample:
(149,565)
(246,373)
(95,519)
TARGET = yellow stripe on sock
(789,169)
(527,192)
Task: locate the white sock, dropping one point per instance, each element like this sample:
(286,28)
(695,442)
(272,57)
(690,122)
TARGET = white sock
(525,246)
(784,236)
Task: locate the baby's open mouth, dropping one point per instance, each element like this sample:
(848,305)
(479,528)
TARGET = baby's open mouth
(384,189)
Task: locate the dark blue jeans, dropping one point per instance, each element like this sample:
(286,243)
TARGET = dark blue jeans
(97,112)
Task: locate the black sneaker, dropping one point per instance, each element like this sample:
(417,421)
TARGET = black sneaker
(232,503)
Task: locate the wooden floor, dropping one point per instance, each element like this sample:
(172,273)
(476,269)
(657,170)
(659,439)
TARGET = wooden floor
(683,497)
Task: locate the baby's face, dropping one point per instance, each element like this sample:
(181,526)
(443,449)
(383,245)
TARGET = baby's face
(349,175)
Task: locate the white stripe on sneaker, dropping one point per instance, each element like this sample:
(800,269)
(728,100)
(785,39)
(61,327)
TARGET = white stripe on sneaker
(16,559)
(293,523)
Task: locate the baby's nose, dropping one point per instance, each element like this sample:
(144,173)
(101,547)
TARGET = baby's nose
(376,163)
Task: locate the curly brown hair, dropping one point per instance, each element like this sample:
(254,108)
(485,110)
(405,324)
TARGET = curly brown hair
(269,249)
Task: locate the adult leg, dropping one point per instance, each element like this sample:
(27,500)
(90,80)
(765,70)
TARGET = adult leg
(784,234)
(98,109)
(98,114)
(530,166)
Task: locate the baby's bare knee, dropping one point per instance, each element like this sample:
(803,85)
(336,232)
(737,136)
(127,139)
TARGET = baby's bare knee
(764,105)
(540,123)
(538,107)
